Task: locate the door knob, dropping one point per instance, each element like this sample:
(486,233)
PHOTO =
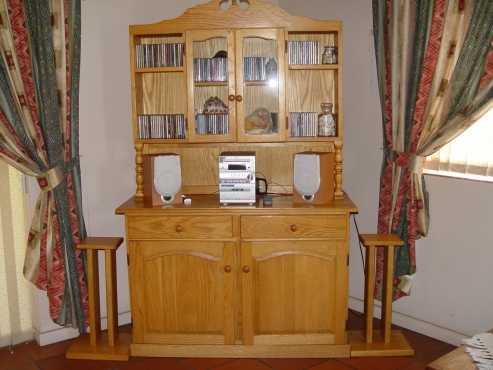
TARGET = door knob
(246,269)
(231,98)
(239,98)
(227,269)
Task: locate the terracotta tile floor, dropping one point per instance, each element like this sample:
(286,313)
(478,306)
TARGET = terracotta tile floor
(30,356)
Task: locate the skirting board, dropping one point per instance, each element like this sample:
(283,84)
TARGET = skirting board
(414,324)
(61,334)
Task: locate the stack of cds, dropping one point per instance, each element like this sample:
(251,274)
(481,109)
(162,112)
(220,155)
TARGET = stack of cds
(255,68)
(303,124)
(211,124)
(210,69)
(304,52)
(159,55)
(161,126)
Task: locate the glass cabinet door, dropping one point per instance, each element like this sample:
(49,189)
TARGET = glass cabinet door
(211,86)
(260,85)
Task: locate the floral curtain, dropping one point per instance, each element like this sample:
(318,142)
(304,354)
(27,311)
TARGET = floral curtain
(435,72)
(39,88)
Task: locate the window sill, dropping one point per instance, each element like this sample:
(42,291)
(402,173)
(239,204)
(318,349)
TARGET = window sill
(458,175)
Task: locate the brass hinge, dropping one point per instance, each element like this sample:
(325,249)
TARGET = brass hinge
(347,260)
(286,46)
(287,123)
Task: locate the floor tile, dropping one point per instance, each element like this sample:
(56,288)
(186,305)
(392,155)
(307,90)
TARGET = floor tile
(152,363)
(19,359)
(61,363)
(331,365)
(204,363)
(378,363)
(292,363)
(243,364)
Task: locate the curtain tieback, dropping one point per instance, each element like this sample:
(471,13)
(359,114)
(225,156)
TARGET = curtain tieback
(51,178)
(54,176)
(406,159)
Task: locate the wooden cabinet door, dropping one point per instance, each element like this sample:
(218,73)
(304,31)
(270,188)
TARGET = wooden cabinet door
(181,292)
(260,66)
(211,74)
(292,292)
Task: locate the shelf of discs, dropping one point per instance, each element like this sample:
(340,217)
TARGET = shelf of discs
(306,124)
(161,126)
(210,69)
(212,124)
(259,69)
(159,55)
(304,52)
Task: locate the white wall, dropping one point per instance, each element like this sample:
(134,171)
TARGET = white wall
(453,294)
(453,285)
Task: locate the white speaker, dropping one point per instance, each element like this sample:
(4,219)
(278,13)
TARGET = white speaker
(162,179)
(313,177)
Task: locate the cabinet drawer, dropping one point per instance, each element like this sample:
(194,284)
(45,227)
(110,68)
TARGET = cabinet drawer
(293,227)
(175,227)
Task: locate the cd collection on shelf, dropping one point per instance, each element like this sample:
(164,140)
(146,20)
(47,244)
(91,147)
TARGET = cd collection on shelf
(303,124)
(255,68)
(211,124)
(161,126)
(210,69)
(304,52)
(159,55)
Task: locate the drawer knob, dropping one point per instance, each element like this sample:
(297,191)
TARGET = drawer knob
(227,269)
(179,228)
(231,98)
(293,228)
(246,269)
(239,98)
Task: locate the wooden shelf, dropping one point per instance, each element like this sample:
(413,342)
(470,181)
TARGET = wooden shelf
(313,66)
(160,70)
(257,83)
(314,138)
(210,83)
(161,141)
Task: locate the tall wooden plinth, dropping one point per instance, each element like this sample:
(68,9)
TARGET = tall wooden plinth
(383,342)
(97,345)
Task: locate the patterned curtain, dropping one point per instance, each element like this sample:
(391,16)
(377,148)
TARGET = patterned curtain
(39,89)
(435,72)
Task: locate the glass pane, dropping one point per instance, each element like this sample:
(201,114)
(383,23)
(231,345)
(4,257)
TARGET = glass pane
(211,105)
(261,90)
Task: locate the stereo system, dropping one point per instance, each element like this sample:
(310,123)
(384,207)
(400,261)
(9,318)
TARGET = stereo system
(162,179)
(237,177)
(313,177)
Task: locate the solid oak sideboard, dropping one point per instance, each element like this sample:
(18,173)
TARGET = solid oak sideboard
(212,281)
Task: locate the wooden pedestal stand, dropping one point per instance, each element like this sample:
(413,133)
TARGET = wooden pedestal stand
(384,342)
(97,345)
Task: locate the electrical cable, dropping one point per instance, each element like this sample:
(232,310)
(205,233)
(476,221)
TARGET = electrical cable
(359,241)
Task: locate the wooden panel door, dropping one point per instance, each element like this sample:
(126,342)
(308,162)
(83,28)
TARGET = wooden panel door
(260,67)
(181,292)
(210,56)
(291,292)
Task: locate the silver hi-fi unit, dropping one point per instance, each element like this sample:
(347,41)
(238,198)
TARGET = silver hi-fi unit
(237,177)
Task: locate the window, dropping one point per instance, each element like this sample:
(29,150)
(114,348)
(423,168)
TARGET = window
(469,156)
(15,290)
